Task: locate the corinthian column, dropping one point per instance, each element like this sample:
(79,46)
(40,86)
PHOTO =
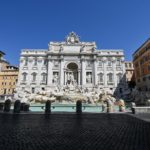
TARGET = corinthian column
(62,72)
(83,72)
(95,72)
(50,73)
(114,72)
(105,71)
(78,77)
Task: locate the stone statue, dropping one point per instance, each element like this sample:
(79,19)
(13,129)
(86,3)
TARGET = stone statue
(89,78)
(55,79)
(82,48)
(72,38)
(121,105)
(71,79)
(61,48)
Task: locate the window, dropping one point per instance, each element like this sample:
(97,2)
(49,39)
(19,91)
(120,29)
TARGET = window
(13,91)
(45,62)
(136,65)
(4,91)
(24,76)
(120,90)
(144,78)
(118,62)
(138,80)
(34,77)
(35,62)
(26,62)
(119,77)
(100,77)
(109,62)
(100,63)
(44,76)
(130,65)
(33,90)
(143,70)
(110,77)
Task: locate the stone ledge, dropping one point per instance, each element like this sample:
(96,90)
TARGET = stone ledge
(138,110)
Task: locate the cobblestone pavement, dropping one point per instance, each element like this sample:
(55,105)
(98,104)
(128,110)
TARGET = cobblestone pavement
(73,132)
(143,116)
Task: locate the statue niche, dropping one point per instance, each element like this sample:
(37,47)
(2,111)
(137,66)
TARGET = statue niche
(72,74)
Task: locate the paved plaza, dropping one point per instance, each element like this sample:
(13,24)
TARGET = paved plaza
(73,132)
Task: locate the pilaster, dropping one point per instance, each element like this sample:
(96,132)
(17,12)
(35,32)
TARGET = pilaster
(105,72)
(50,73)
(95,72)
(62,71)
(83,64)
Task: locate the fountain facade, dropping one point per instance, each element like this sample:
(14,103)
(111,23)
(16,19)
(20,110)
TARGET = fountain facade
(70,70)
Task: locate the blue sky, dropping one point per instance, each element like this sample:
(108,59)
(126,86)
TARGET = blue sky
(112,24)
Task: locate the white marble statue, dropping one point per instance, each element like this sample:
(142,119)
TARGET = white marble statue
(55,79)
(89,78)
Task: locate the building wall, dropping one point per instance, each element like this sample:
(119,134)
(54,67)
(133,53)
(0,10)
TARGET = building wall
(3,62)
(8,81)
(141,60)
(129,71)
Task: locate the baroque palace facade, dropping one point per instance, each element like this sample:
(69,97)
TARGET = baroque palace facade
(71,63)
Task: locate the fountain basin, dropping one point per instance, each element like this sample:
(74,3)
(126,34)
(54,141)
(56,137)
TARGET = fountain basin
(95,108)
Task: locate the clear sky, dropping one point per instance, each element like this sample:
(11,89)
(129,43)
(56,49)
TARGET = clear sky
(112,24)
